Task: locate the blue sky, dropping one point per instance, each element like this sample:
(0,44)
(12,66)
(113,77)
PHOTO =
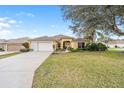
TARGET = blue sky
(32,21)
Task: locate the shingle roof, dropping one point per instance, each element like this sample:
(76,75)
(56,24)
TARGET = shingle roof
(43,38)
(79,39)
(18,40)
(58,37)
(2,41)
(52,38)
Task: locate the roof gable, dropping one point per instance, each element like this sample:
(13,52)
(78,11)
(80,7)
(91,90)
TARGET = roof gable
(52,38)
(43,38)
(59,37)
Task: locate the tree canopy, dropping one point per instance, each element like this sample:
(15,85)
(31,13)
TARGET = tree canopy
(88,19)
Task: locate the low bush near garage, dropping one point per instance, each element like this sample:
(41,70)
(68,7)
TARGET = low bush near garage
(26,47)
(25,50)
(1,49)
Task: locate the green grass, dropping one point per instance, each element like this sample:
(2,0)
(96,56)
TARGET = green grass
(115,49)
(8,55)
(81,69)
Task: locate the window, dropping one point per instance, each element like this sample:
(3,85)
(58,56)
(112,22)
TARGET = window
(80,45)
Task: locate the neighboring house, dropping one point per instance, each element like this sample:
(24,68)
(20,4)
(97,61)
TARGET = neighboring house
(3,44)
(13,44)
(113,43)
(46,43)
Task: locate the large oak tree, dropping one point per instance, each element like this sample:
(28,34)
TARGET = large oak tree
(89,19)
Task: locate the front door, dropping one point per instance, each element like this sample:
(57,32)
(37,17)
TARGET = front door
(66,44)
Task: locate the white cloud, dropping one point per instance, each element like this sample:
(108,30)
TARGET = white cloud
(4,25)
(30,14)
(52,26)
(4,33)
(20,13)
(12,21)
(21,30)
(20,22)
(35,31)
(17,25)
(2,19)
(6,22)
(25,14)
(0,28)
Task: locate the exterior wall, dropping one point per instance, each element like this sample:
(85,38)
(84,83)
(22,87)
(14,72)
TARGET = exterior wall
(14,47)
(29,44)
(74,44)
(33,45)
(5,47)
(61,42)
(55,44)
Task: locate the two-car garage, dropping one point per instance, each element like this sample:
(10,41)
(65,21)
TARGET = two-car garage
(42,45)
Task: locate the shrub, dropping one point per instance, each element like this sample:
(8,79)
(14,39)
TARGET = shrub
(92,47)
(116,46)
(25,50)
(96,47)
(1,49)
(26,45)
(101,47)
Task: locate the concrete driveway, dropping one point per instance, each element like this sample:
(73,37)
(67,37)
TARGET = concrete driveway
(17,71)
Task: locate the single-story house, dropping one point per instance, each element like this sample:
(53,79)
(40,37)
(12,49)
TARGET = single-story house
(46,43)
(3,44)
(113,43)
(13,44)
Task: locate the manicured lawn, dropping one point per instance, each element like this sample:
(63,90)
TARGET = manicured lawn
(116,49)
(8,55)
(81,69)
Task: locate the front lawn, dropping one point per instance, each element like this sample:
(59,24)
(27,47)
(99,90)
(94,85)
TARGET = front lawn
(116,49)
(8,55)
(81,69)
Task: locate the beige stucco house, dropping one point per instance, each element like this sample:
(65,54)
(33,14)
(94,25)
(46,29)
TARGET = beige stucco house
(13,44)
(46,43)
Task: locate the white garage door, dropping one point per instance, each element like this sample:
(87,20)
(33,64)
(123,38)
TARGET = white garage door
(45,46)
(42,46)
